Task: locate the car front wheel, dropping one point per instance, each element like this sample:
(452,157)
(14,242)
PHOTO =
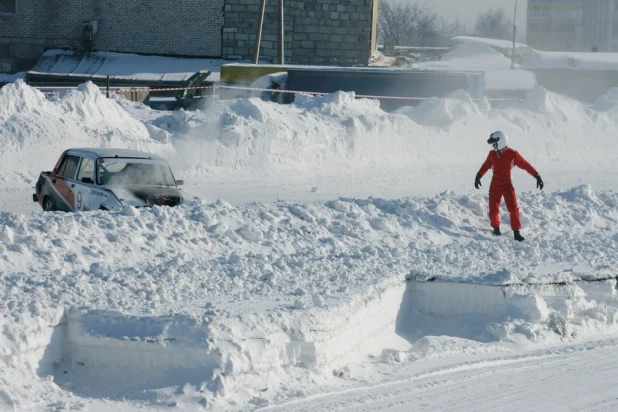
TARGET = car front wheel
(48,204)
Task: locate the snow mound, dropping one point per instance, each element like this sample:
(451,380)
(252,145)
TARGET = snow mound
(471,49)
(35,131)
(442,113)
(232,301)
(608,101)
(88,104)
(315,136)
(19,98)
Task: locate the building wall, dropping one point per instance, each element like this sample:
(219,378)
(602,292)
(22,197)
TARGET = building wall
(316,31)
(552,24)
(597,25)
(580,25)
(337,32)
(189,27)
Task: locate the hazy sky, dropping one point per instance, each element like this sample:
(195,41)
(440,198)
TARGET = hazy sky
(467,10)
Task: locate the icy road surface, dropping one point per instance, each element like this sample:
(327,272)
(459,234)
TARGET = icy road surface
(573,378)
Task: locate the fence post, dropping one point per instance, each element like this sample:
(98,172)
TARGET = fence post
(107,86)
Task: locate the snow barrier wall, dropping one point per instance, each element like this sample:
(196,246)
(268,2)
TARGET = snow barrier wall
(117,353)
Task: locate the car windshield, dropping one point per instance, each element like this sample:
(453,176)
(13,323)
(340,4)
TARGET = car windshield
(134,172)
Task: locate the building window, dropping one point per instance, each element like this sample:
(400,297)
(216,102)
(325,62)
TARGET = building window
(8,6)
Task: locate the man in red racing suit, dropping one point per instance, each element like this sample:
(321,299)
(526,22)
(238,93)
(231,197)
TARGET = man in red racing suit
(502,159)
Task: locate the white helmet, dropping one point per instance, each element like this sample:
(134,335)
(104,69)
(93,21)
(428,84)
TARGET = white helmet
(500,139)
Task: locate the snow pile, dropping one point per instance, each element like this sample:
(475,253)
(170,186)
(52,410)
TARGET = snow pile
(479,56)
(228,298)
(537,60)
(607,102)
(35,130)
(496,43)
(221,306)
(316,136)
(473,49)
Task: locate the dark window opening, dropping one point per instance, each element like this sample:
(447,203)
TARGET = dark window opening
(8,6)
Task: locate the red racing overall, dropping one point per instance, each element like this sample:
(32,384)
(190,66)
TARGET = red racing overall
(502,185)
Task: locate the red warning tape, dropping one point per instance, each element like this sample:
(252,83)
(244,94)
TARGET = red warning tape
(138,89)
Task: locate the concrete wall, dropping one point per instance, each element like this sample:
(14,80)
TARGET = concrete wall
(335,32)
(184,27)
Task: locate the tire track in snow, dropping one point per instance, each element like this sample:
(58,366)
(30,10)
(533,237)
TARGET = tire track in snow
(572,378)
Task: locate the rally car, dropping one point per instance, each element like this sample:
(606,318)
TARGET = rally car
(107,179)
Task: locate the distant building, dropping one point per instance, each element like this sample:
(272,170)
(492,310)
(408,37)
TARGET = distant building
(573,25)
(333,32)
(599,25)
(552,24)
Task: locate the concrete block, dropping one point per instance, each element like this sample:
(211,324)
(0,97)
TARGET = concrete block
(332,46)
(307,44)
(353,53)
(5,50)
(28,51)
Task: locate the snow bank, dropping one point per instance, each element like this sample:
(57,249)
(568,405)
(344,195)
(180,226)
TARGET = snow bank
(536,60)
(501,44)
(320,136)
(229,298)
(480,56)
(35,131)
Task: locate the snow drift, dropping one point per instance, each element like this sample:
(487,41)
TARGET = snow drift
(220,297)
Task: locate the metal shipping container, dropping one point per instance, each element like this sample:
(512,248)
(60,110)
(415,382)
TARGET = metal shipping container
(416,83)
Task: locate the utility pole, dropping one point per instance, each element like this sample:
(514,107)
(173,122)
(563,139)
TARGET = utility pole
(258,36)
(514,34)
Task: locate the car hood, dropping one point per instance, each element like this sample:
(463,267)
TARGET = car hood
(147,196)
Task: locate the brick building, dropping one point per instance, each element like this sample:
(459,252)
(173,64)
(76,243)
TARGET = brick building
(316,31)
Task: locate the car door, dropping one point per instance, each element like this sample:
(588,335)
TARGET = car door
(64,183)
(83,184)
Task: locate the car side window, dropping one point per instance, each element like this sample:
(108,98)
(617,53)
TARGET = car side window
(69,167)
(86,170)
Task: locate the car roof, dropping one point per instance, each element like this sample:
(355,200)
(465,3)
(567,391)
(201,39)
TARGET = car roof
(110,152)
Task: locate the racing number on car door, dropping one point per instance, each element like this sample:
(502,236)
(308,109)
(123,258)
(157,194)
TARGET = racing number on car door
(83,185)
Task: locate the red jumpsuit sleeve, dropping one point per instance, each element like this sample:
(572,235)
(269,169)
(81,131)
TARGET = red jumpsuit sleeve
(485,166)
(523,164)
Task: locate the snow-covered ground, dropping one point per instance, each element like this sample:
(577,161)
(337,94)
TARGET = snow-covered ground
(570,60)
(330,256)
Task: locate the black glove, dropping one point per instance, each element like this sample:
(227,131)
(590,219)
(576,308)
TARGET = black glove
(477,181)
(539,182)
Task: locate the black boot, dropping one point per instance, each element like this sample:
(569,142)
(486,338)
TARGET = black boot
(497,231)
(518,236)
